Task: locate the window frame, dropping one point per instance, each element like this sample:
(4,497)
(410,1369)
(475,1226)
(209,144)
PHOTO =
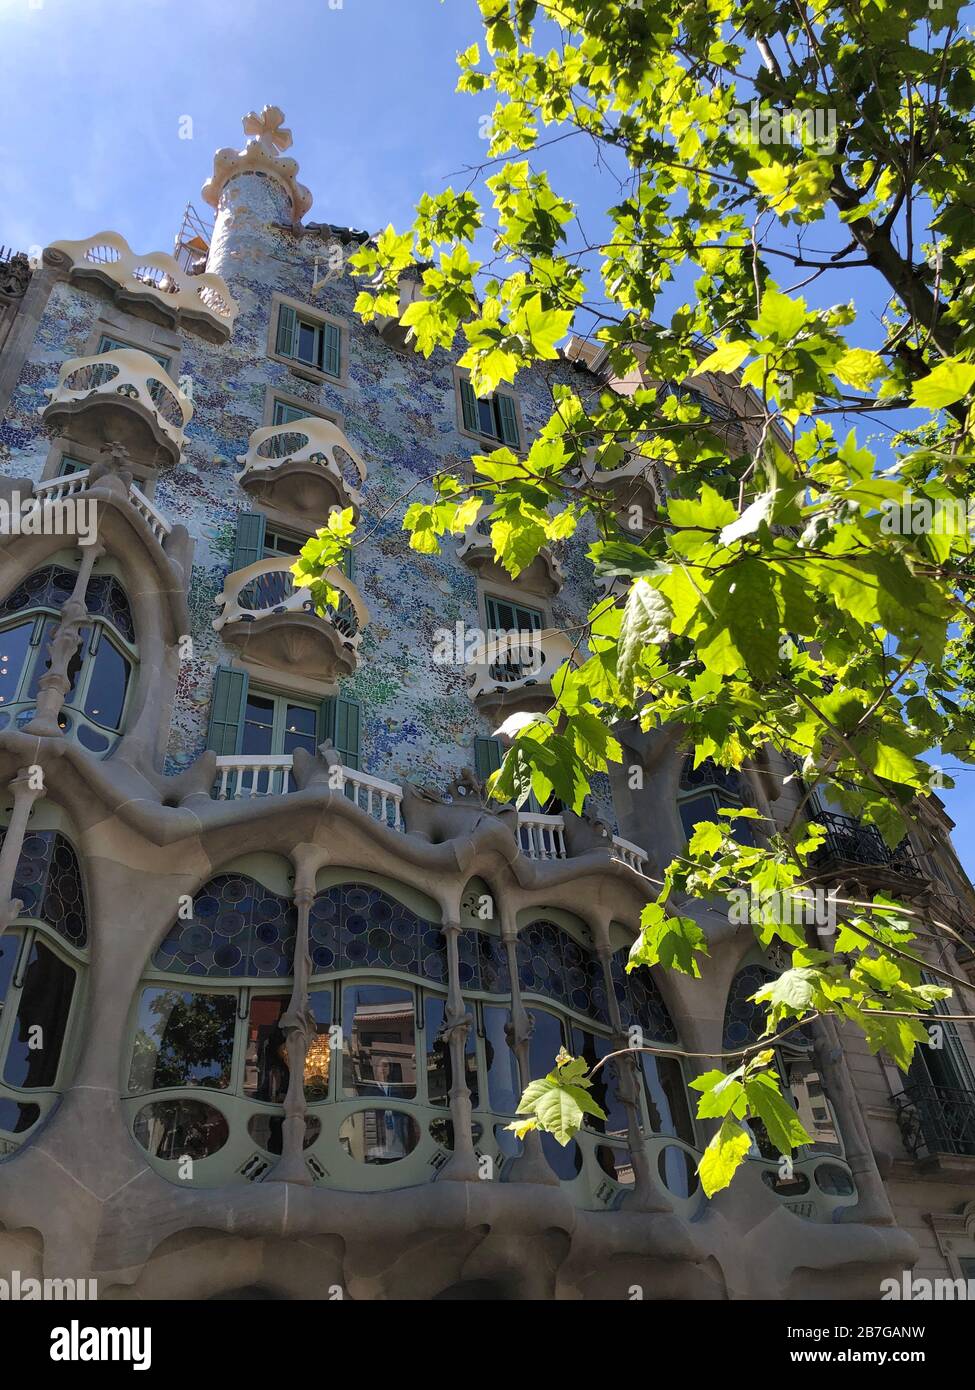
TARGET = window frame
(279,715)
(317,319)
(495,440)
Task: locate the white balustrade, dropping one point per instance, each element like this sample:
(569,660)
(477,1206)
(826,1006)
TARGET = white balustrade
(241,776)
(542,837)
(109,256)
(74,484)
(518,660)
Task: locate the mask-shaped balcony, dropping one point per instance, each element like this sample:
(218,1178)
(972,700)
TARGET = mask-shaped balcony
(634,489)
(275,624)
(156,286)
(519,671)
(122,397)
(543,576)
(302,466)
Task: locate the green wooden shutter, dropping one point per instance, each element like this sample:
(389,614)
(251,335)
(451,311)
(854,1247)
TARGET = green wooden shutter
(488,756)
(332,349)
(468,402)
(226,726)
(339,720)
(249,545)
(508,419)
(284,343)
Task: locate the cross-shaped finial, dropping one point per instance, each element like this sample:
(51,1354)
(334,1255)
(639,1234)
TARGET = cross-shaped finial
(268,129)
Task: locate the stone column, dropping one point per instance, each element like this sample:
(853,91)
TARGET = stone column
(25,794)
(873,1206)
(531,1165)
(54,685)
(299,1027)
(462,1164)
(645,1195)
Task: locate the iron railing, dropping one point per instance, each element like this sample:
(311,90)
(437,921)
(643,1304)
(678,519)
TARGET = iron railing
(936,1120)
(850,841)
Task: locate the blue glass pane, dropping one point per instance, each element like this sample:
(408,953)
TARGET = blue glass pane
(107,686)
(14,651)
(238,928)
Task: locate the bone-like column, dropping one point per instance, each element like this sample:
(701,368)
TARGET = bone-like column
(530,1165)
(54,685)
(299,1027)
(27,786)
(462,1165)
(645,1195)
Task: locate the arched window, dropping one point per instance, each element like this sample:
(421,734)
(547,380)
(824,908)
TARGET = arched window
(704,790)
(42,956)
(744,1024)
(209,1071)
(99,672)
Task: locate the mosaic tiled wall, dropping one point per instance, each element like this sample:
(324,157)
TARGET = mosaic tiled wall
(398,410)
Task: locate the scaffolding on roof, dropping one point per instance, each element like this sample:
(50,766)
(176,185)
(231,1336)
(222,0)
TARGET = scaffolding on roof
(192,243)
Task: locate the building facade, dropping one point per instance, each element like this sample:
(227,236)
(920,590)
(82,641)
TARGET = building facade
(273,972)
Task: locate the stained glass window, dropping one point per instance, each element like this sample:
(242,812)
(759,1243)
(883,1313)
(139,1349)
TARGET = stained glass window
(48,883)
(238,928)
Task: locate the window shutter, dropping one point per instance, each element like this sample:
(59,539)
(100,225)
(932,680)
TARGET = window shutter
(508,419)
(227,711)
(287,327)
(339,720)
(468,402)
(332,349)
(250,540)
(488,756)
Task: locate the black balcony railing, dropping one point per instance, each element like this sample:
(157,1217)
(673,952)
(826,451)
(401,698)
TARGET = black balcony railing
(849,841)
(936,1120)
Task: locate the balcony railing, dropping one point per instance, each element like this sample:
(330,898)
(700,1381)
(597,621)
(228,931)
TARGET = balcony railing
(544,574)
(126,375)
(519,666)
(243,776)
(267,588)
(156,277)
(286,459)
(850,841)
(73,484)
(937,1120)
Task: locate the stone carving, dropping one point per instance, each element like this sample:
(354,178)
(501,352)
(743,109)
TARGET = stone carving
(464,806)
(260,155)
(15,276)
(585,832)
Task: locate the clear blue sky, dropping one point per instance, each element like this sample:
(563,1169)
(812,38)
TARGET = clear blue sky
(94,92)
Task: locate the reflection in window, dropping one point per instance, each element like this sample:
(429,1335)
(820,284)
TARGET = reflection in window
(266,1069)
(379,1136)
(108,681)
(379,1027)
(267,1131)
(806,1088)
(183,1039)
(504,1086)
(180,1129)
(667,1097)
(14,650)
(42,1018)
(318,1058)
(439,1073)
(605,1086)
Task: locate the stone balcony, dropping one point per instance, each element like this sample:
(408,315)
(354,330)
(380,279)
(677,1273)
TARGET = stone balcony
(121,397)
(634,490)
(75,484)
(519,671)
(303,466)
(243,776)
(543,576)
(275,624)
(155,285)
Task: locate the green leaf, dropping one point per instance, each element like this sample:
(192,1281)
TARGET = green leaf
(948,383)
(646,621)
(723,1156)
